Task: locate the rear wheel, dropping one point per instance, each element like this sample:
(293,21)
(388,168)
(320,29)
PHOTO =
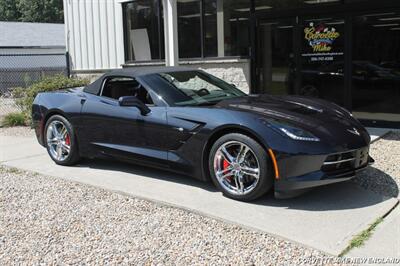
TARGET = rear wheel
(240,167)
(60,141)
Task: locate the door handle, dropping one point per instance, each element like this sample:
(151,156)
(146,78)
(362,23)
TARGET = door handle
(83,101)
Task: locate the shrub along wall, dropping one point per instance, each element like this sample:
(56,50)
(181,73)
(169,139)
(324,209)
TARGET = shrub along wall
(25,96)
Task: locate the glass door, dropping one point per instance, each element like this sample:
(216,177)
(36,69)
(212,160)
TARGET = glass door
(321,72)
(302,56)
(275,63)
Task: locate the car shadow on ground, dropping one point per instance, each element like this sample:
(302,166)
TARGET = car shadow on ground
(141,170)
(341,196)
(378,181)
(393,136)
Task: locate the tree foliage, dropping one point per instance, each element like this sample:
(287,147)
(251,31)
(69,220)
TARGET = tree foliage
(9,10)
(50,11)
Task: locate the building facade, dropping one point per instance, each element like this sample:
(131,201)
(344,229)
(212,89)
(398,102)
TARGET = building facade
(346,51)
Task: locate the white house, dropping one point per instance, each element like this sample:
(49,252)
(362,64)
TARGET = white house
(29,51)
(31,38)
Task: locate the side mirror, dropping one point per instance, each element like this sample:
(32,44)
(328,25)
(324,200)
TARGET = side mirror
(132,101)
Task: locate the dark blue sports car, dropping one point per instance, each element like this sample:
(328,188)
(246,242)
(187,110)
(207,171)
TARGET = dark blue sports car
(188,121)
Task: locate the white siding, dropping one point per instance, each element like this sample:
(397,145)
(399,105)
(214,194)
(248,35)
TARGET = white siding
(90,33)
(94,34)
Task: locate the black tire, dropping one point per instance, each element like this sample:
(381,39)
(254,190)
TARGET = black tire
(73,156)
(265,181)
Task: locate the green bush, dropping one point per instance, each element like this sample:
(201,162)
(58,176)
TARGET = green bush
(25,96)
(13,119)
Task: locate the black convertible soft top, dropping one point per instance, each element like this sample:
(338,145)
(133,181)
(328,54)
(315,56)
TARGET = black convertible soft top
(95,87)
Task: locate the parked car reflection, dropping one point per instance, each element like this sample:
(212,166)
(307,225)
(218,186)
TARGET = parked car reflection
(370,82)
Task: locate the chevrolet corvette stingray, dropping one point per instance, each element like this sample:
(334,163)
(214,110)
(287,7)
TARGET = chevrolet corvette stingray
(188,121)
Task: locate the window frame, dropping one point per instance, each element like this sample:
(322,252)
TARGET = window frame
(161,38)
(150,92)
(161,46)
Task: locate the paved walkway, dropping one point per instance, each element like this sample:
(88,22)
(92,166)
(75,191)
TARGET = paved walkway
(325,219)
(385,241)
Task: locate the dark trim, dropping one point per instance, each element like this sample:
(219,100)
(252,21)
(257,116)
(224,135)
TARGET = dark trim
(68,64)
(34,47)
(348,65)
(93,71)
(160,30)
(297,44)
(329,8)
(147,61)
(253,48)
(200,59)
(32,54)
(125,30)
(214,58)
(202,31)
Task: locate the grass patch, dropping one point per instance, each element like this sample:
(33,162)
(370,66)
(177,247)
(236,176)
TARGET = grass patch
(12,170)
(360,239)
(8,169)
(14,119)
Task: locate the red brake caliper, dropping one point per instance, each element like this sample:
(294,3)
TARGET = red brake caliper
(226,165)
(67,140)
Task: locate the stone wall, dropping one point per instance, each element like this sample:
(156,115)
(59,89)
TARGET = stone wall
(235,71)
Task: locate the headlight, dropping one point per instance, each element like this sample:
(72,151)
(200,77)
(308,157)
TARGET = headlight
(293,132)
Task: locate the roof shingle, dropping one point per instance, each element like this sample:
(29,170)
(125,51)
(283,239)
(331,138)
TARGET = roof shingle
(26,34)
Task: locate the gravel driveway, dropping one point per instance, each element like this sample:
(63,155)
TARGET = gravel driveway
(383,177)
(17,131)
(47,220)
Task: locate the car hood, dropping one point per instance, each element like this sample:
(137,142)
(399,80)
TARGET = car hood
(322,118)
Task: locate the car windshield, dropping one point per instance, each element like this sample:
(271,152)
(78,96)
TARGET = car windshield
(196,88)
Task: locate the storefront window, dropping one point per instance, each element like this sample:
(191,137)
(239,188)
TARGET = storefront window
(276,64)
(142,27)
(376,66)
(221,26)
(322,65)
(210,28)
(197,26)
(206,28)
(189,28)
(236,27)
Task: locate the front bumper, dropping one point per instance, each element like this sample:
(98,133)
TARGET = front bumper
(301,173)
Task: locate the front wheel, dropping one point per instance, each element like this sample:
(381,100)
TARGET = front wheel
(60,141)
(240,167)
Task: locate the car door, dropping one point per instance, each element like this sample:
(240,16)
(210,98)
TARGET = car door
(120,131)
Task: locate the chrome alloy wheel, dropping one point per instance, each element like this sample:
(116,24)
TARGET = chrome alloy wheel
(58,140)
(236,168)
